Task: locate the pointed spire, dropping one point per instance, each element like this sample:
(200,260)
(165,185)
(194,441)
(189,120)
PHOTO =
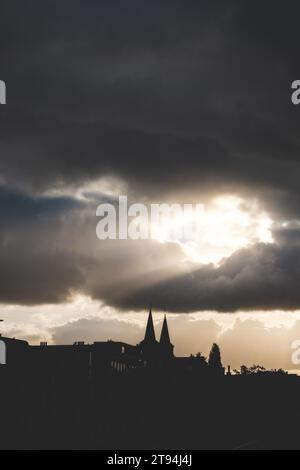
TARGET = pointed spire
(165,336)
(150,333)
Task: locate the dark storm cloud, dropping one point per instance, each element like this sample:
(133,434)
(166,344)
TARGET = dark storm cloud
(288,235)
(263,277)
(154,92)
(37,266)
(168,96)
(49,250)
(17,206)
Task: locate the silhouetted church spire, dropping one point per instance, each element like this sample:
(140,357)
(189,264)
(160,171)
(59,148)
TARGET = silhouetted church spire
(167,347)
(152,350)
(150,333)
(165,336)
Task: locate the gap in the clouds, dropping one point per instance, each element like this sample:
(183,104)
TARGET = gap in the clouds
(229,221)
(108,186)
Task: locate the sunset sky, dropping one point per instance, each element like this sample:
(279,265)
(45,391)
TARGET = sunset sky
(164,102)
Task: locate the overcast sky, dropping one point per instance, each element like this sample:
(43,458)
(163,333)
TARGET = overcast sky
(163,101)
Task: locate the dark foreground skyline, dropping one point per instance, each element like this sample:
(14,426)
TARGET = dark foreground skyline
(113,395)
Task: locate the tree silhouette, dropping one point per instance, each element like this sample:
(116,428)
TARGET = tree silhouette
(214,360)
(255,369)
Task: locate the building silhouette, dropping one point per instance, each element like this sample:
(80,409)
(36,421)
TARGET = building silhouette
(109,395)
(95,360)
(103,357)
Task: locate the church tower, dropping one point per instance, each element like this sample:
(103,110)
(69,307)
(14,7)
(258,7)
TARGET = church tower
(149,347)
(167,348)
(150,333)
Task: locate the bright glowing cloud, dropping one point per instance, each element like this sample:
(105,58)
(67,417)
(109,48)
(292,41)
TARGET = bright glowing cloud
(228,224)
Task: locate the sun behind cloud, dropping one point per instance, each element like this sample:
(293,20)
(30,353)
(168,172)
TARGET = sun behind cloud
(228,223)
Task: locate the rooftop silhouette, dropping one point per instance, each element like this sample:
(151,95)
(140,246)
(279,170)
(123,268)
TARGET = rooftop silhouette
(109,395)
